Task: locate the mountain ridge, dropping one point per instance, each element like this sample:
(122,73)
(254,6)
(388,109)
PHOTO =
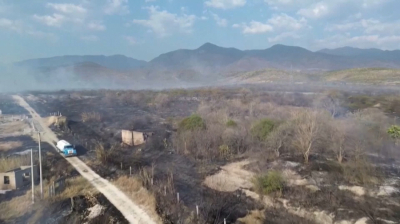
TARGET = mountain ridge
(210,59)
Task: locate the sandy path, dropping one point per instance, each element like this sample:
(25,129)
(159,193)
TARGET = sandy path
(132,212)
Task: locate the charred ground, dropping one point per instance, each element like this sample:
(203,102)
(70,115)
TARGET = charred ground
(166,167)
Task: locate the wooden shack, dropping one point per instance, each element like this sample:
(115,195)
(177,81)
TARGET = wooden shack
(133,138)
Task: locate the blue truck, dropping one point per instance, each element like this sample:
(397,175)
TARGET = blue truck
(66,148)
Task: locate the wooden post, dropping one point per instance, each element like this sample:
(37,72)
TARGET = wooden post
(224,221)
(177,196)
(54,188)
(197,210)
(72,204)
(121,165)
(165,190)
(130,171)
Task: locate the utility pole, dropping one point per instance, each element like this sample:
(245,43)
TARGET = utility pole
(40,167)
(33,179)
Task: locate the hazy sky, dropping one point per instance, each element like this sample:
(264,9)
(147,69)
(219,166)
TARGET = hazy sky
(143,29)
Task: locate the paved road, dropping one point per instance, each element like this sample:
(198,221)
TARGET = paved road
(132,212)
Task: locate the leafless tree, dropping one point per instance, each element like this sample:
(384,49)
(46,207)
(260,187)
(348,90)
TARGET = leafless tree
(279,137)
(329,102)
(338,136)
(306,129)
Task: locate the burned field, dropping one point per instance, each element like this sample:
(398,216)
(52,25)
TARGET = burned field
(196,133)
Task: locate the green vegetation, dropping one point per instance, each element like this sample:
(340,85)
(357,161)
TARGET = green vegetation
(269,183)
(262,129)
(366,75)
(192,122)
(394,131)
(231,123)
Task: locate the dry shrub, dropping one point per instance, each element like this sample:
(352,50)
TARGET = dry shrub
(102,154)
(231,124)
(361,172)
(133,188)
(90,117)
(161,100)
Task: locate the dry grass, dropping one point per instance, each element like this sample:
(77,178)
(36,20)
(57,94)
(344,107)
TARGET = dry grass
(14,127)
(6,146)
(271,75)
(254,217)
(22,205)
(90,116)
(16,207)
(7,164)
(134,189)
(75,186)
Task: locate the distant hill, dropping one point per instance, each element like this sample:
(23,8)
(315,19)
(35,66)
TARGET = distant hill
(365,76)
(212,58)
(117,62)
(206,58)
(372,53)
(211,64)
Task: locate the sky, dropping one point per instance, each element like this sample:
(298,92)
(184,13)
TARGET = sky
(144,29)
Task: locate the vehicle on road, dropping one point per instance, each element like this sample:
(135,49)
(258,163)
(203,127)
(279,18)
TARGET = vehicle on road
(66,148)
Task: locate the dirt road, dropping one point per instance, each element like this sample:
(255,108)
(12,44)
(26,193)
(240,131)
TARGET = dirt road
(132,212)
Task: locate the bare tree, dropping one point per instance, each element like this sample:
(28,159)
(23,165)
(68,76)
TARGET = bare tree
(279,137)
(329,102)
(338,135)
(306,131)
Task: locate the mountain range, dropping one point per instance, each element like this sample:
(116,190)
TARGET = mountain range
(212,58)
(203,65)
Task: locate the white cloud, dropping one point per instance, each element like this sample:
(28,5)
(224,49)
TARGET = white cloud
(288,4)
(225,4)
(254,27)
(96,25)
(131,40)
(67,8)
(282,36)
(116,7)
(40,34)
(21,28)
(315,11)
(220,21)
(149,0)
(367,26)
(90,38)
(55,20)
(282,23)
(11,25)
(361,41)
(285,21)
(164,23)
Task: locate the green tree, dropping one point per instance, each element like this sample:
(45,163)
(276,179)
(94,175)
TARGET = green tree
(191,123)
(262,129)
(394,132)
